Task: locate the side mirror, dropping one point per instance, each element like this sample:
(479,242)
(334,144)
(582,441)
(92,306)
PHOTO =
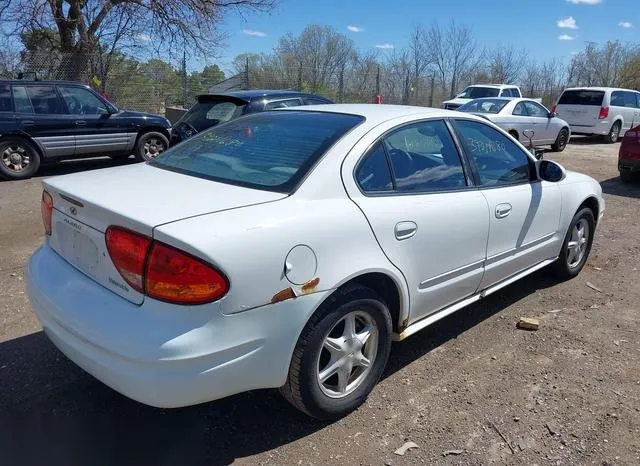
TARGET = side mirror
(550,171)
(551,115)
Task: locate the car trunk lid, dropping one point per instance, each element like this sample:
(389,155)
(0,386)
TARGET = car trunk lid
(137,197)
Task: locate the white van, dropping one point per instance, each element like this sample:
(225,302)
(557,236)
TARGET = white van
(478,91)
(605,111)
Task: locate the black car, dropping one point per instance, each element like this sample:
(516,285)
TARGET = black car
(55,120)
(211,109)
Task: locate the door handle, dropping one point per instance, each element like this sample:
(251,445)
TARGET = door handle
(28,122)
(503,210)
(405,230)
(80,123)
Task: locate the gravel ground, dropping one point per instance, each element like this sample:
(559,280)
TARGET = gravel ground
(471,389)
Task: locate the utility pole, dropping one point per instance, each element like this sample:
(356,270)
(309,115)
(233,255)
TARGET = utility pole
(246,72)
(433,85)
(378,81)
(184,79)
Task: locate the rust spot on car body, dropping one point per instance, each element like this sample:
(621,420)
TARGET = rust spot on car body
(283,295)
(309,286)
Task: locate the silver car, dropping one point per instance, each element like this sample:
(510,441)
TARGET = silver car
(525,119)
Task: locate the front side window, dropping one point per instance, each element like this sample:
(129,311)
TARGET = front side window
(282,104)
(484,106)
(373,174)
(497,158)
(44,100)
(270,151)
(536,110)
(81,101)
(424,158)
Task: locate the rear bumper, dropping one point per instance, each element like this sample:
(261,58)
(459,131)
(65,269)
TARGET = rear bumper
(601,128)
(629,165)
(160,354)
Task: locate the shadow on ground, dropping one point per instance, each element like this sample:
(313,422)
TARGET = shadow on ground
(53,413)
(616,187)
(75,166)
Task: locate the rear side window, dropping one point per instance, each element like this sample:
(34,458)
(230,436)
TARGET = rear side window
(282,104)
(21,100)
(581,97)
(270,151)
(5,98)
(373,174)
(630,99)
(314,101)
(45,100)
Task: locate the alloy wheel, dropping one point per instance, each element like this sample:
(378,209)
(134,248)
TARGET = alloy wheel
(578,243)
(16,158)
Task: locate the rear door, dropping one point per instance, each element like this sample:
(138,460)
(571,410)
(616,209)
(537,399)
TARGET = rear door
(95,129)
(580,107)
(544,127)
(41,114)
(524,124)
(7,119)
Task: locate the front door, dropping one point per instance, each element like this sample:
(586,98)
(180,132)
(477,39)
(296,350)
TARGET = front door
(524,212)
(429,220)
(96,131)
(544,127)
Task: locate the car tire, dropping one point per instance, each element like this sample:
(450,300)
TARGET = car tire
(614,133)
(323,340)
(19,159)
(150,145)
(627,176)
(561,141)
(575,244)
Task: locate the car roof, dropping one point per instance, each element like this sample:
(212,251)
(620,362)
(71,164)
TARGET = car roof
(256,93)
(379,113)
(603,89)
(496,86)
(48,82)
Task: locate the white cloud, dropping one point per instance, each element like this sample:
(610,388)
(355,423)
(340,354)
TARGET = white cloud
(568,23)
(625,24)
(585,2)
(355,28)
(143,37)
(251,32)
(565,37)
(385,46)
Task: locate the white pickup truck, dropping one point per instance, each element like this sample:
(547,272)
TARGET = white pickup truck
(478,91)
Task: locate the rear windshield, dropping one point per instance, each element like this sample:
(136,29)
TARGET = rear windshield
(270,150)
(484,106)
(204,115)
(478,92)
(584,97)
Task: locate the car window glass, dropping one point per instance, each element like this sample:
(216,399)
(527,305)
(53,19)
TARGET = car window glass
(21,100)
(314,101)
(373,173)
(223,111)
(535,110)
(81,101)
(637,99)
(498,159)
(5,98)
(424,158)
(282,104)
(630,99)
(520,110)
(44,100)
(617,99)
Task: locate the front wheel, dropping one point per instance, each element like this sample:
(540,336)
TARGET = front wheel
(577,245)
(19,159)
(614,133)
(340,355)
(561,140)
(150,145)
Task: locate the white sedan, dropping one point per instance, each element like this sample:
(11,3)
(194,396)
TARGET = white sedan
(525,119)
(289,248)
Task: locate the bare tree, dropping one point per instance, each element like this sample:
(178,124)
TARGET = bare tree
(454,53)
(506,64)
(85,26)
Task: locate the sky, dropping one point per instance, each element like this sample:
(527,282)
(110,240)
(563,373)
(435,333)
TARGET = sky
(545,28)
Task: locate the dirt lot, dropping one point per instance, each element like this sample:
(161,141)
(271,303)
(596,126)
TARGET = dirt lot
(471,389)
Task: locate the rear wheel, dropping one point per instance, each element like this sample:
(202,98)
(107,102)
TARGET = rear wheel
(626,176)
(614,133)
(340,355)
(150,145)
(561,140)
(577,245)
(19,159)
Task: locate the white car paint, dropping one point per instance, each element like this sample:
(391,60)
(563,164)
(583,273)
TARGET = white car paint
(543,128)
(487,90)
(169,355)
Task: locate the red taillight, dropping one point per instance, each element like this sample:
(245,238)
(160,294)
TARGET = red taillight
(604,113)
(128,252)
(161,271)
(46,207)
(554,108)
(178,277)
